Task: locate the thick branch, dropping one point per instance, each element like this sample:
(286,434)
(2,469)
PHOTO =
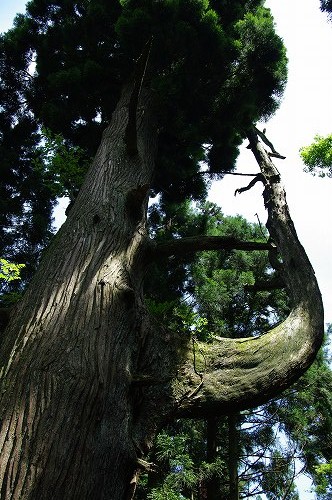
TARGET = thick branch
(273,152)
(198,243)
(247,372)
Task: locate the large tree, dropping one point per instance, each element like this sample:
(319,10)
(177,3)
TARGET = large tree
(87,375)
(317,157)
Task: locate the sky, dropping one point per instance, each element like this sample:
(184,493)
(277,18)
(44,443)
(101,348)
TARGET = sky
(306,110)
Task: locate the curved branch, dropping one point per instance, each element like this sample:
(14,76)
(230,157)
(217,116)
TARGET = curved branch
(199,243)
(247,372)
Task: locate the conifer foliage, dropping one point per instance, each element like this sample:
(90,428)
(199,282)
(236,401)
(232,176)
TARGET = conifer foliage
(89,371)
(72,59)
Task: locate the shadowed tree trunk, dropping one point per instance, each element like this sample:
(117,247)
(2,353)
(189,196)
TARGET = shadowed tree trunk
(68,406)
(213,484)
(233,442)
(86,377)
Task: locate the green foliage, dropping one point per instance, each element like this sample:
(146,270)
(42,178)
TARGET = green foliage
(224,56)
(165,493)
(192,323)
(25,201)
(62,166)
(160,310)
(318,156)
(306,415)
(8,299)
(212,293)
(10,271)
(173,452)
(278,477)
(324,480)
(182,465)
(229,285)
(255,29)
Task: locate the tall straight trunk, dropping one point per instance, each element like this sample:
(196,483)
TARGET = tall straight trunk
(70,422)
(213,484)
(233,446)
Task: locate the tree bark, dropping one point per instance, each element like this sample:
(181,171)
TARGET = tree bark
(243,373)
(233,454)
(86,376)
(213,483)
(71,425)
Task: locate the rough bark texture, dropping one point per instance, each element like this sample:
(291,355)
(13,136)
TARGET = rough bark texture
(85,375)
(70,421)
(240,373)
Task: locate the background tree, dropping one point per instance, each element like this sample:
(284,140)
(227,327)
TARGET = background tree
(26,203)
(317,157)
(233,293)
(36,167)
(238,293)
(87,375)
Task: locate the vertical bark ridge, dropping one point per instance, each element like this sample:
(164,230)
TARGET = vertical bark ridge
(68,359)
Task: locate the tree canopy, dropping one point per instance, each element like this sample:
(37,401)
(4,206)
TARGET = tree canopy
(225,56)
(91,362)
(63,66)
(317,157)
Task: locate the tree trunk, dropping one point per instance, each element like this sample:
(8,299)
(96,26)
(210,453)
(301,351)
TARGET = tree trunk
(86,377)
(233,446)
(71,427)
(213,483)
